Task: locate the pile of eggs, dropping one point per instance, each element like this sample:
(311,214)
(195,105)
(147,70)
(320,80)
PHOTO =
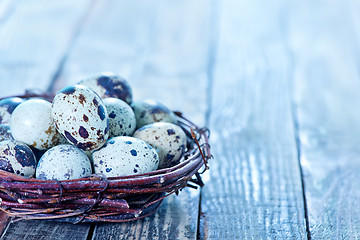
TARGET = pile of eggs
(91,127)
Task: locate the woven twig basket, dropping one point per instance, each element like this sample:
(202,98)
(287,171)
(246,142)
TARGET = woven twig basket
(100,199)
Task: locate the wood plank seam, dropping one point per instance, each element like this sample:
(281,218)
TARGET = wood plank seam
(76,32)
(210,68)
(6,9)
(213,46)
(298,152)
(294,117)
(91,231)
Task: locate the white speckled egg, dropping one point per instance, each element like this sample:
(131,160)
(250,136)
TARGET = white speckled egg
(63,162)
(168,139)
(123,156)
(81,117)
(122,120)
(16,157)
(7,106)
(5,133)
(31,123)
(107,84)
(150,111)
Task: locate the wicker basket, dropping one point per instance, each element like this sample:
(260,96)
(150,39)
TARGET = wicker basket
(100,199)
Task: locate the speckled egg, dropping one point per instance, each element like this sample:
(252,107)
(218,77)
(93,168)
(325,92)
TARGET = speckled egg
(108,84)
(168,139)
(16,157)
(81,117)
(5,133)
(7,106)
(150,111)
(122,120)
(123,156)
(63,162)
(31,123)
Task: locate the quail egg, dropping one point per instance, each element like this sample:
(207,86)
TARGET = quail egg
(63,162)
(16,157)
(125,155)
(108,84)
(5,133)
(7,106)
(122,120)
(150,111)
(31,123)
(168,139)
(81,117)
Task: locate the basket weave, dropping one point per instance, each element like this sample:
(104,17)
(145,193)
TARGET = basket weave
(99,199)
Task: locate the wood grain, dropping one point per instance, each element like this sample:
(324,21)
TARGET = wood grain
(114,38)
(326,88)
(40,230)
(162,53)
(34,37)
(255,190)
(176,218)
(6,7)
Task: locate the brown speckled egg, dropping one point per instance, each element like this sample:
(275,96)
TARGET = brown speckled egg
(63,162)
(168,139)
(107,84)
(5,133)
(7,106)
(123,156)
(16,157)
(81,117)
(31,123)
(122,120)
(150,111)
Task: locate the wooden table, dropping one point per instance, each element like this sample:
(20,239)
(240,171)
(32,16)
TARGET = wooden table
(277,82)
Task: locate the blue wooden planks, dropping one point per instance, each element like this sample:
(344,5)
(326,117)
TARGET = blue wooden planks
(34,38)
(254,191)
(326,92)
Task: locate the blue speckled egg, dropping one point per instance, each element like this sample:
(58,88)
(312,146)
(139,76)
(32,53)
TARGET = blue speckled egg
(108,84)
(122,120)
(150,111)
(168,139)
(81,117)
(63,162)
(123,156)
(7,106)
(16,157)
